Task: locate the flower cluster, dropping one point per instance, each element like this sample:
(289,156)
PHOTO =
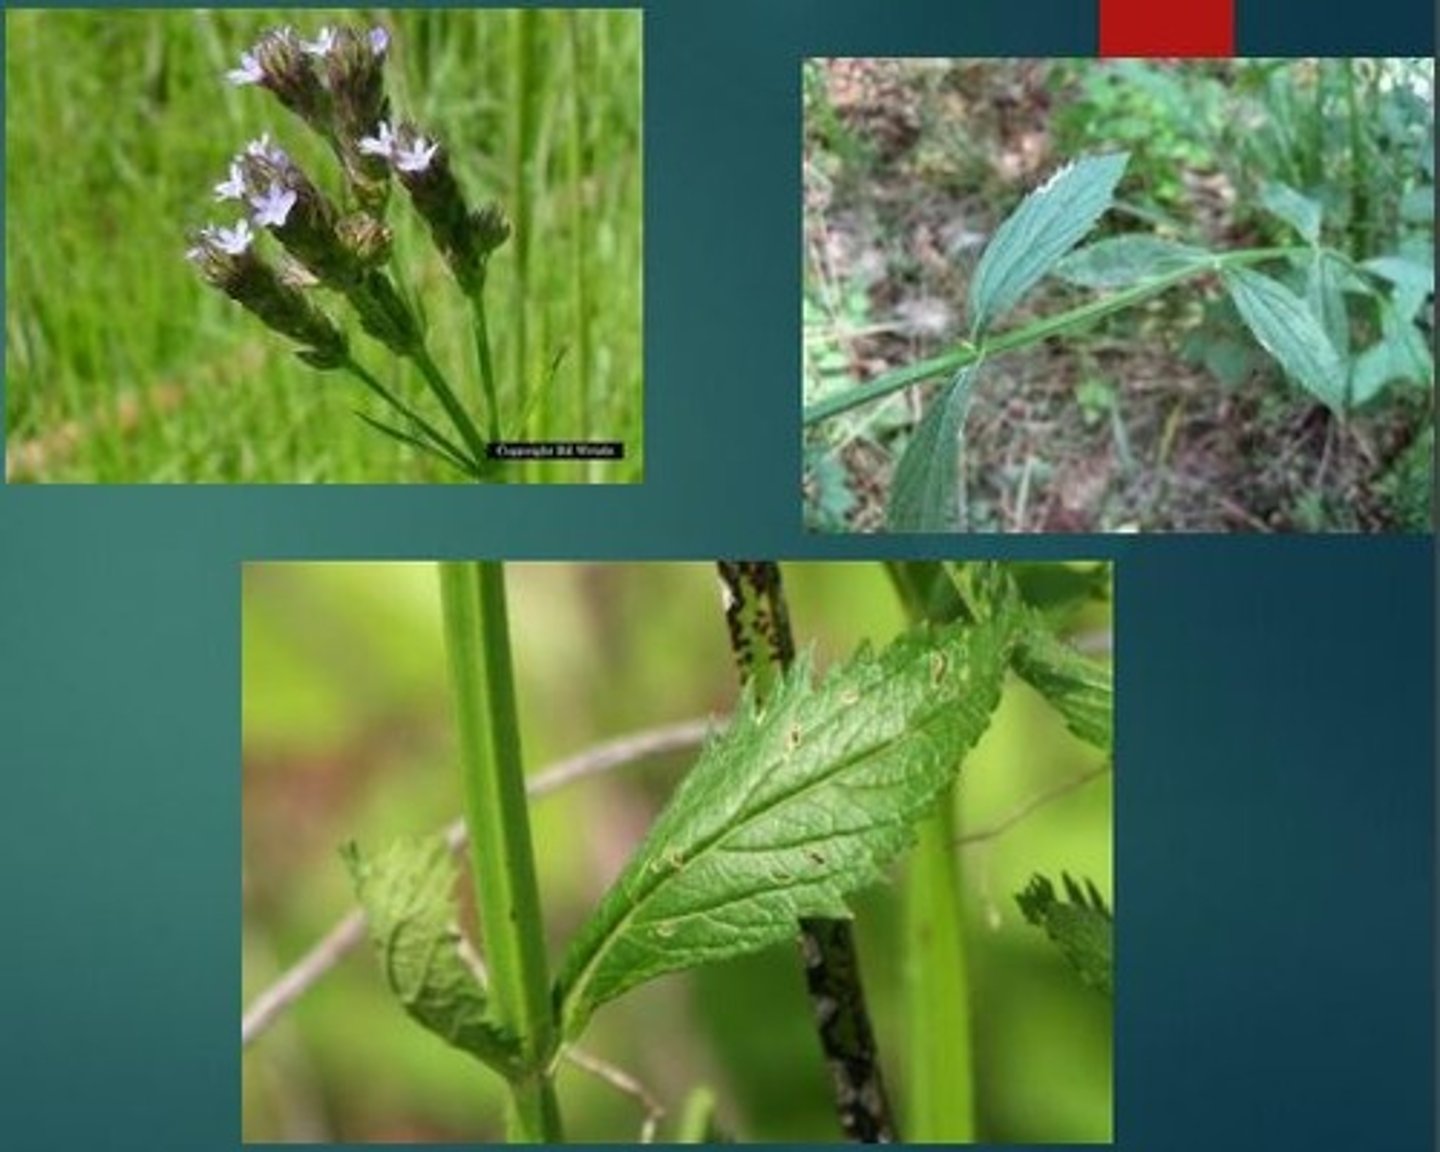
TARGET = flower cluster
(226,258)
(335,84)
(465,238)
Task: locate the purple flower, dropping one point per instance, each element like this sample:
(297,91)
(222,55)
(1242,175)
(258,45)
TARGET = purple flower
(322,43)
(273,208)
(249,71)
(231,241)
(263,149)
(379,40)
(234,188)
(416,156)
(382,144)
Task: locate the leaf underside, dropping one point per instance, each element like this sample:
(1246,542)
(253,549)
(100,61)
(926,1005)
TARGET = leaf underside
(925,493)
(1080,925)
(407,894)
(1120,261)
(1285,327)
(1047,224)
(794,807)
(1079,688)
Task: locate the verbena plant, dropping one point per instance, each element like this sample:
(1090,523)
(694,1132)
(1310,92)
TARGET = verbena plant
(335,85)
(816,786)
(1341,328)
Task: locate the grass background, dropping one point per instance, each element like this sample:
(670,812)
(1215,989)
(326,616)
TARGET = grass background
(347,735)
(121,365)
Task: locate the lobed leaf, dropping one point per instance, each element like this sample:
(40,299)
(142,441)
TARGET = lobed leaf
(407,894)
(1120,261)
(1080,689)
(793,808)
(925,493)
(1081,927)
(1047,224)
(1284,326)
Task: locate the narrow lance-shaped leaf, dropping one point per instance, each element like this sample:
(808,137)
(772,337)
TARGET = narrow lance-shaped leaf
(1284,326)
(925,494)
(797,805)
(1081,927)
(407,894)
(1049,222)
(1079,688)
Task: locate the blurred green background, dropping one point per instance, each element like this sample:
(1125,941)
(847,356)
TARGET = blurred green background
(347,735)
(121,365)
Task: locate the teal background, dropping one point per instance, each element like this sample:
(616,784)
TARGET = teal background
(1275,872)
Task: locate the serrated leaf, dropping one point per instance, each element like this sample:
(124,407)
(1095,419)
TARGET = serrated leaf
(407,894)
(1080,689)
(1120,261)
(1299,211)
(925,493)
(793,808)
(1081,927)
(1047,224)
(1283,325)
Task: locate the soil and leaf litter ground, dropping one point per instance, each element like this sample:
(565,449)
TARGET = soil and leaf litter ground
(1164,416)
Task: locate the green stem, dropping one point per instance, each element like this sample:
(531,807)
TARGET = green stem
(940,1089)
(1359,206)
(459,418)
(969,353)
(507,896)
(484,361)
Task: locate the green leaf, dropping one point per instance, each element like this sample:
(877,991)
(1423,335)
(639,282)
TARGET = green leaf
(1300,212)
(794,807)
(1401,353)
(925,494)
(1403,272)
(407,894)
(1079,688)
(1283,325)
(1325,294)
(1120,261)
(1047,224)
(1081,927)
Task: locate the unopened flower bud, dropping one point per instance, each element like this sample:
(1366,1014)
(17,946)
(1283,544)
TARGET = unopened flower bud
(368,240)
(226,258)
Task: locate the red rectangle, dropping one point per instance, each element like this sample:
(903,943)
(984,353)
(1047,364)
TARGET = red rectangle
(1155,28)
